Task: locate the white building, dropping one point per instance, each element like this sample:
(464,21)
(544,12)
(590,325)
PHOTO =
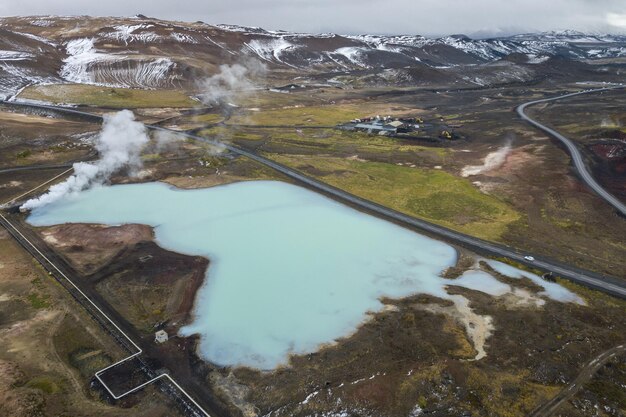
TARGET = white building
(160,336)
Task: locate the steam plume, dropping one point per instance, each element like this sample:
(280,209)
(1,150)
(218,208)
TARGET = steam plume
(119,145)
(493,160)
(165,141)
(231,82)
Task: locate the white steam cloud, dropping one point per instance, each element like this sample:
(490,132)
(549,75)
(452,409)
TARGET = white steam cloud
(165,141)
(232,81)
(119,144)
(493,160)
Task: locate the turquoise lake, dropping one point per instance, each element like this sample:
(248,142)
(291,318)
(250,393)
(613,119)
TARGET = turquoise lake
(290,269)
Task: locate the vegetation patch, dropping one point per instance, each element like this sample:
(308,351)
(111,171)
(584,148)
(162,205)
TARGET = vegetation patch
(225,133)
(77,346)
(434,195)
(24,154)
(209,118)
(38,301)
(118,98)
(89,361)
(329,115)
(44,383)
(505,394)
(273,100)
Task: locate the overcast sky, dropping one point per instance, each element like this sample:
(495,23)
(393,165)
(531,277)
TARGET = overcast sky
(427,17)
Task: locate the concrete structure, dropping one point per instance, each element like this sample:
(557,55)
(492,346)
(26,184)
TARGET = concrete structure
(382,126)
(160,336)
(397,124)
(376,126)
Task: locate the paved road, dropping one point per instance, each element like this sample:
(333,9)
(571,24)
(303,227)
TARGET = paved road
(34,168)
(577,158)
(589,279)
(588,371)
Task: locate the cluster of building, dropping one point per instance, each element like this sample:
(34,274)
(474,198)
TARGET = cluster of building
(405,127)
(385,126)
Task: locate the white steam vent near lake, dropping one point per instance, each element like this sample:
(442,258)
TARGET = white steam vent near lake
(119,145)
(492,161)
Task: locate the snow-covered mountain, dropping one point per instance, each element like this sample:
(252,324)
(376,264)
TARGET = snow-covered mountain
(152,53)
(365,50)
(571,36)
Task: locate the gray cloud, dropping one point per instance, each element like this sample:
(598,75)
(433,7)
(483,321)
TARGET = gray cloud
(430,17)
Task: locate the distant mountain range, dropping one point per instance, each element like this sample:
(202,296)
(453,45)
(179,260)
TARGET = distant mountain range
(366,51)
(145,52)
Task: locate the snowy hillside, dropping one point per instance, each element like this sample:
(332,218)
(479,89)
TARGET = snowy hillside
(151,53)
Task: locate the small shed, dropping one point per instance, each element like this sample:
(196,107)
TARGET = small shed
(160,336)
(400,127)
(397,124)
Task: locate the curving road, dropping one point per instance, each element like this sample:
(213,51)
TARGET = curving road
(577,158)
(609,285)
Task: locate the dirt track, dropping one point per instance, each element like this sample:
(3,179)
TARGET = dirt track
(548,408)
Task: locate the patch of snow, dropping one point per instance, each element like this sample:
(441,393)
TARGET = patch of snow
(183,38)
(271,49)
(82,55)
(42,23)
(219,45)
(610,52)
(37,38)
(13,78)
(570,36)
(537,59)
(147,74)
(87,66)
(336,61)
(14,56)
(126,33)
(353,54)
(245,29)
(416,411)
(276,90)
(384,42)
(309,397)
(357,381)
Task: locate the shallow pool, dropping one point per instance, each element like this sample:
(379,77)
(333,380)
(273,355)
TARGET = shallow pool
(290,269)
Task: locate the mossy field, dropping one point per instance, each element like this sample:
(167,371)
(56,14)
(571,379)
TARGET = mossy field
(430,194)
(209,118)
(312,109)
(329,115)
(107,97)
(331,142)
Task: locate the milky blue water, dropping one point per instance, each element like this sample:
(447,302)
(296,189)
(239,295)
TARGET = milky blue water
(551,289)
(290,269)
(481,281)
